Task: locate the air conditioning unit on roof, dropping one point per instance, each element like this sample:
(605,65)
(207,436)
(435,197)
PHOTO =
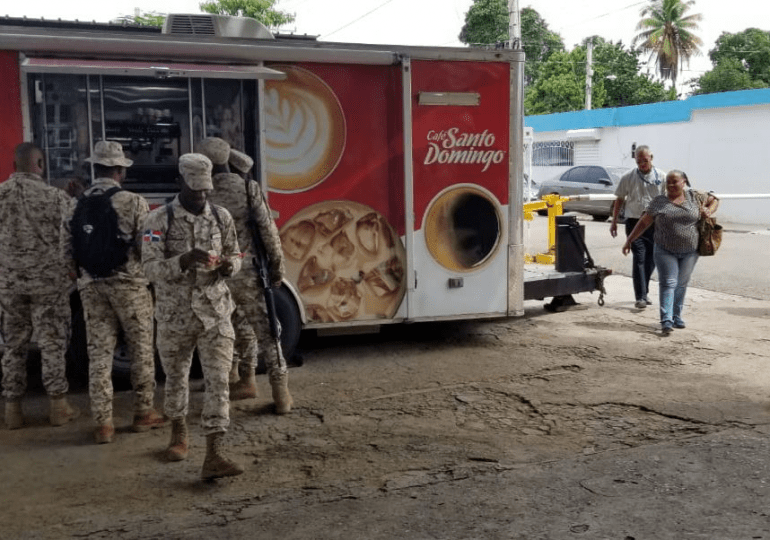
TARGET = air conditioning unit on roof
(205,24)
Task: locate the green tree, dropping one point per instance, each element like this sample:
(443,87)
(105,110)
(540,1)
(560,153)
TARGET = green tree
(486,23)
(262,10)
(149,18)
(539,42)
(750,47)
(666,33)
(561,82)
(560,85)
(728,75)
(618,71)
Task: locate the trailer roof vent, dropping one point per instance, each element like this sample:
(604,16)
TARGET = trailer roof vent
(215,25)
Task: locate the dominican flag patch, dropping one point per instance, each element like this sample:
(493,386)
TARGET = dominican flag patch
(152,236)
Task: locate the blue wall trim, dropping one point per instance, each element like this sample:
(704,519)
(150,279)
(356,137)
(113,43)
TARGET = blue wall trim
(652,113)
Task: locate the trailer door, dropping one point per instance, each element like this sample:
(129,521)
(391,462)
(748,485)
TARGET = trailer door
(460,163)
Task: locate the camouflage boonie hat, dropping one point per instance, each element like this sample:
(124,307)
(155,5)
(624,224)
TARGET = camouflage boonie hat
(196,171)
(240,161)
(216,149)
(109,154)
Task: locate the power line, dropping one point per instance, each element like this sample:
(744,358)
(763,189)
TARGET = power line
(358,19)
(607,14)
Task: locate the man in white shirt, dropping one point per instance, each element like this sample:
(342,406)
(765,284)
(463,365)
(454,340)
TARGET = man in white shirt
(636,189)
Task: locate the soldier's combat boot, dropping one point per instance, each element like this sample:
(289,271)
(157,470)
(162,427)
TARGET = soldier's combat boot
(245,388)
(281,395)
(216,465)
(147,421)
(234,375)
(104,434)
(177,448)
(13,416)
(61,411)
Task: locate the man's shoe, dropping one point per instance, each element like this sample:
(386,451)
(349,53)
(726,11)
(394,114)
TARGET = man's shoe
(177,448)
(245,388)
(147,421)
(216,464)
(61,411)
(281,396)
(667,329)
(13,416)
(679,324)
(640,304)
(648,301)
(104,434)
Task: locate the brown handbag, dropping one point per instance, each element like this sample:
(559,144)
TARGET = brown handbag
(710,236)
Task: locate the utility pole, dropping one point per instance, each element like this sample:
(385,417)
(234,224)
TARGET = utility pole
(515,159)
(514,25)
(589,71)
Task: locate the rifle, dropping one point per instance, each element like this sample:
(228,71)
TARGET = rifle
(261,263)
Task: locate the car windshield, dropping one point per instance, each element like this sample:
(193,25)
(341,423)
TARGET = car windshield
(617,172)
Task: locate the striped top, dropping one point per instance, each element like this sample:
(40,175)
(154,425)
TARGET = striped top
(676,226)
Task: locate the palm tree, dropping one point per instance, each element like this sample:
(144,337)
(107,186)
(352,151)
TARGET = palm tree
(666,33)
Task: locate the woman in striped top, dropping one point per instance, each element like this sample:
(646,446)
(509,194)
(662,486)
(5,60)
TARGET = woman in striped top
(675,216)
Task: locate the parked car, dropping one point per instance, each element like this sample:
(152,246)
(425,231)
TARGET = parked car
(584,180)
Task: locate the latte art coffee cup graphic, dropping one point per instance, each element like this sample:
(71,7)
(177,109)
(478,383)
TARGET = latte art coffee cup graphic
(305,130)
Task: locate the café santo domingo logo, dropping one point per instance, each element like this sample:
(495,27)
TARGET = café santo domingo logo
(452,146)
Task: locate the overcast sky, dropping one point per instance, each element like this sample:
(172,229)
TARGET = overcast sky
(435,22)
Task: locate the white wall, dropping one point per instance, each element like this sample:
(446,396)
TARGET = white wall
(726,150)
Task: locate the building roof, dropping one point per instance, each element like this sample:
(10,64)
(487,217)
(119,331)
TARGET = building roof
(652,113)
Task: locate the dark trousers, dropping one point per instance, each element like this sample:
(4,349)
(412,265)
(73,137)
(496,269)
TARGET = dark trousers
(643,261)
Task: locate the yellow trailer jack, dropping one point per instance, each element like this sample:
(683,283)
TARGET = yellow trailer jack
(555,206)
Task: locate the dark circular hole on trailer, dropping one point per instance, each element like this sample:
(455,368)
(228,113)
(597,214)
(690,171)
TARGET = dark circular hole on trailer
(463,229)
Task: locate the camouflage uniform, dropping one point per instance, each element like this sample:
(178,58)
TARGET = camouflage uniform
(34,281)
(122,301)
(250,317)
(193,308)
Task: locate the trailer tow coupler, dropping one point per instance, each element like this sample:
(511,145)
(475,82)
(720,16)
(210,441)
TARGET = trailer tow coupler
(567,302)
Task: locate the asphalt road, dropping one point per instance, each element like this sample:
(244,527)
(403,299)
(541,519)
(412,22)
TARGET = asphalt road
(740,267)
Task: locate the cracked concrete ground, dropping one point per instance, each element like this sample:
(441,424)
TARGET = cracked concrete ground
(582,424)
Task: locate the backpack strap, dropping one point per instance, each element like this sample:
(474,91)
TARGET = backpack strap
(169,217)
(214,211)
(112,191)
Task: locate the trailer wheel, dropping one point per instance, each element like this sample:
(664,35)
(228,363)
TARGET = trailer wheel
(77,353)
(290,319)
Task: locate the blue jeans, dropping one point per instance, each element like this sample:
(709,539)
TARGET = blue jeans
(674,271)
(643,262)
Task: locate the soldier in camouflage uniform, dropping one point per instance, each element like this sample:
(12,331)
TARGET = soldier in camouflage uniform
(189,248)
(120,301)
(250,320)
(34,284)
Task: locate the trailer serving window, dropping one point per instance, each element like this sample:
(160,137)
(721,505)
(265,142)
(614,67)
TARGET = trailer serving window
(157,112)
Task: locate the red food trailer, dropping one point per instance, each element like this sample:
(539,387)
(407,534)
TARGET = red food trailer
(394,172)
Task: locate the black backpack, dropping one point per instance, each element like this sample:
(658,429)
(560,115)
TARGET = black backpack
(97,242)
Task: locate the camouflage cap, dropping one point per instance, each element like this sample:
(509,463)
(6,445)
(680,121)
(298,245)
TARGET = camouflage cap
(109,154)
(196,171)
(240,161)
(216,149)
